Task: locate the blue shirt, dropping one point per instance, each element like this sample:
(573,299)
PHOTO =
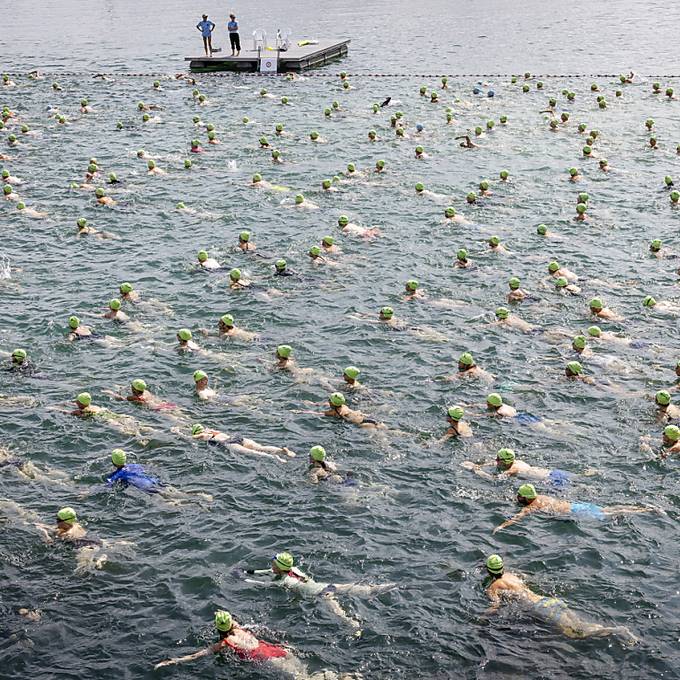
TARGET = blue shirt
(135,475)
(232,26)
(206,27)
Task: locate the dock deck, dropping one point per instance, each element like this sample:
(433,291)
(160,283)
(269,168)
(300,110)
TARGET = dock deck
(295,58)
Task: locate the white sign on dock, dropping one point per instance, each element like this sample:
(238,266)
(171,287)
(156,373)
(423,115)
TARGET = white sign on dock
(269,65)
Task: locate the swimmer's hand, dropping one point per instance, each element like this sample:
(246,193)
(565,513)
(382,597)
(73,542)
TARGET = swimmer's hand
(167,662)
(288,452)
(468,465)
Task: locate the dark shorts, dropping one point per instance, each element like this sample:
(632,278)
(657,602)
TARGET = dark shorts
(235,41)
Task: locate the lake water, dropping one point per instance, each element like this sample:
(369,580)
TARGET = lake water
(417,517)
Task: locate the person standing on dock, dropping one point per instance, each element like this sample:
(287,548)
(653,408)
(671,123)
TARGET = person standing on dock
(206,28)
(233,36)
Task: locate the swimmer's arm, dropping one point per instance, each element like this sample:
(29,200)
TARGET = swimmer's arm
(477,469)
(114,395)
(45,531)
(523,512)
(495,602)
(213,649)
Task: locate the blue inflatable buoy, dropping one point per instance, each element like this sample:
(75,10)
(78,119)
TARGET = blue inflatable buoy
(475,90)
(419,127)
(490,93)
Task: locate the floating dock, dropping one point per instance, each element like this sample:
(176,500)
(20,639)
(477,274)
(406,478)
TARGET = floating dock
(295,58)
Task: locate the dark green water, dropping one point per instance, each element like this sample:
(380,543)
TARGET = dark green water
(418,518)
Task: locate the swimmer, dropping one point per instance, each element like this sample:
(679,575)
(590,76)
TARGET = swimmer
(494,403)
(27,470)
(329,246)
(666,410)
(244,242)
(506,587)
(467,368)
(153,169)
(78,332)
(9,194)
(462,261)
(495,245)
(102,198)
(139,394)
(7,81)
(339,409)
(596,334)
(574,371)
(598,309)
(236,280)
(85,229)
(207,263)
(241,445)
(578,344)
(186,343)
(556,271)
(663,306)
(504,318)
(284,574)
(352,229)
(196,146)
(128,293)
(10,179)
(420,153)
(203,392)
(516,294)
(534,502)
(507,465)
(657,250)
(322,470)
(115,313)
(227,328)
(301,203)
(671,441)
(246,647)
(20,363)
(457,426)
(132,474)
(281,269)
(467,143)
(285,362)
(351,377)
(30,212)
(317,258)
(85,106)
(450,215)
(413,291)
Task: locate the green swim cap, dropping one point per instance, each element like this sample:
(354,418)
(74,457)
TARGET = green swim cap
(280,265)
(575,367)
(200,375)
(668,180)
(202,255)
(419,149)
(655,245)
(604,162)
(197,428)
(380,164)
(73,322)
(138,384)
(352,372)
(462,254)
(257,177)
(151,164)
(420,187)
(263,141)
(146,117)
(92,168)
(299,198)
(19,354)
(279,127)
(541,229)
(114,304)
(284,351)
(317,453)
(494,241)
(450,212)
(503,119)
(675,196)
(326,184)
(494,564)
(561,282)
(99,192)
(596,304)
(21,205)
(502,313)
(553,124)
(227,320)
(244,236)
(663,398)
(84,399)
(587,150)
(223,621)
(112,178)
(672,432)
(211,135)
(400,132)
(649,301)
(351,167)
(504,174)
(455,413)
(337,399)
(466,359)
(581,208)
(314,134)
(118,457)
(525,88)
(527,491)
(276,154)
(67,515)
(484,185)
(514,283)
(284,561)
(284,100)
(573,172)
(412,284)
(583,197)
(235,274)
(328,240)
(387,312)
(180,206)
(579,342)
(315,251)
(343,220)
(471,197)
(594,331)
(184,334)
(494,399)
(506,455)
(582,127)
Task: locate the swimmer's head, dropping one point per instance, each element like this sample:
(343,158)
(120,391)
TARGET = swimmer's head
(581,208)
(587,150)
(505,458)
(604,163)
(471,197)
(283,561)
(328,241)
(450,212)
(420,187)
(351,168)
(118,457)
(494,241)
(504,174)
(257,177)
(314,135)
(184,335)
(227,320)
(92,168)
(343,220)
(668,180)
(113,178)
(314,252)
(114,305)
(19,356)
(675,196)
(541,229)
(455,413)
(461,255)
(596,305)
(284,351)
(419,150)
(337,399)
(484,185)
(84,399)
(317,453)
(494,565)
(465,361)
(151,164)
(73,322)
(573,172)
(495,400)
(67,516)
(223,621)
(573,368)
(351,373)
(503,119)
(561,282)
(138,385)
(372,134)
(502,313)
(21,205)
(146,117)
(583,197)
(579,342)
(594,331)
(648,301)
(280,265)
(235,274)
(197,428)
(513,282)
(299,199)
(276,154)
(662,398)
(671,434)
(326,184)
(412,285)
(380,164)
(386,313)
(181,205)
(200,375)
(244,237)
(526,493)
(202,255)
